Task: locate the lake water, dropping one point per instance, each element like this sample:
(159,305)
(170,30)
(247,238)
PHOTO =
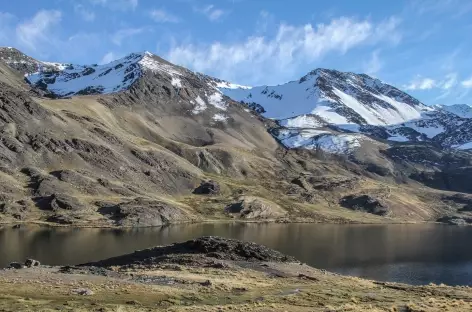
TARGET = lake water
(414,254)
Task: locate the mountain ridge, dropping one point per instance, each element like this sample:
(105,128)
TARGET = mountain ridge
(135,152)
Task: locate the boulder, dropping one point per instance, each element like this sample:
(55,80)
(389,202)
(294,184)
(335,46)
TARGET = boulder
(208,188)
(29,263)
(15,265)
(83,292)
(250,207)
(365,203)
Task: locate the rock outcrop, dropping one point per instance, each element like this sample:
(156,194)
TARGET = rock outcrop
(250,207)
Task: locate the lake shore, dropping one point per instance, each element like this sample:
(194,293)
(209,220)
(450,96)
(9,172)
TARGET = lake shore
(213,221)
(213,274)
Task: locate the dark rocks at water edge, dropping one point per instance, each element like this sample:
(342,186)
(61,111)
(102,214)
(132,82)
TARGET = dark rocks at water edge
(29,263)
(200,251)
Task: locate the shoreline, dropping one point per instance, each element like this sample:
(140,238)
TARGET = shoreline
(211,221)
(213,274)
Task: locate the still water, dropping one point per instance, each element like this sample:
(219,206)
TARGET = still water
(414,254)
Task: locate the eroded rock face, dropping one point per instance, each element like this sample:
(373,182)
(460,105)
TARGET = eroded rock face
(144,212)
(365,203)
(208,188)
(250,207)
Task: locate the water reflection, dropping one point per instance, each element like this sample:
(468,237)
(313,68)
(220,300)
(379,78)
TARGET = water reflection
(416,254)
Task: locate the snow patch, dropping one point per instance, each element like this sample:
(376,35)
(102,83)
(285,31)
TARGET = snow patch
(320,139)
(302,121)
(216,99)
(220,117)
(150,62)
(398,138)
(200,106)
(229,85)
(176,82)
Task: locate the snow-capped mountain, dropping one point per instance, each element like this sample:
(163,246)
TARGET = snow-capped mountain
(26,64)
(116,76)
(326,109)
(335,97)
(338,111)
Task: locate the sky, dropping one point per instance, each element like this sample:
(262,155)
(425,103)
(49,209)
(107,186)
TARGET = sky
(420,46)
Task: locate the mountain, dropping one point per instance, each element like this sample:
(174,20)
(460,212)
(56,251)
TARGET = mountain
(352,103)
(24,63)
(141,142)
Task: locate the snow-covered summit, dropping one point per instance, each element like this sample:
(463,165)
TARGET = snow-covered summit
(115,76)
(336,97)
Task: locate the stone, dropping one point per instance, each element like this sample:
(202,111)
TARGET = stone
(83,292)
(208,188)
(206,283)
(29,263)
(365,203)
(15,265)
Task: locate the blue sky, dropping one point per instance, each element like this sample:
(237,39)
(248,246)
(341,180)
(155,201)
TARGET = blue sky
(421,46)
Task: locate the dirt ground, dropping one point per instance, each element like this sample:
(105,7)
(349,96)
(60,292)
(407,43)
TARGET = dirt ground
(233,287)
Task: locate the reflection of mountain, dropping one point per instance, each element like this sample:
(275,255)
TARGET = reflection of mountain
(400,253)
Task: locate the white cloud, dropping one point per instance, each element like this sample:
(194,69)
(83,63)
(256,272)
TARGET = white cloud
(107,58)
(420,83)
(118,37)
(265,19)
(162,16)
(374,64)
(123,5)
(86,15)
(258,57)
(211,12)
(467,83)
(424,83)
(37,30)
(449,82)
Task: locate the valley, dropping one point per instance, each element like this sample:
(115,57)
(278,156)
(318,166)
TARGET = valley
(129,143)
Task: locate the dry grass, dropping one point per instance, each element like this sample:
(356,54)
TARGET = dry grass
(230,290)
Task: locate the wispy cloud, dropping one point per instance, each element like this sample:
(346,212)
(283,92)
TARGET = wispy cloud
(420,83)
(276,58)
(467,83)
(107,58)
(211,12)
(37,30)
(162,16)
(425,83)
(449,82)
(84,13)
(373,66)
(123,5)
(122,34)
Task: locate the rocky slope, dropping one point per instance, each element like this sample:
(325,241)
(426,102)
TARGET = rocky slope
(137,141)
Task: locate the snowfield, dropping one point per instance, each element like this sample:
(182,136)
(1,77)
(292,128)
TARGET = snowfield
(321,92)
